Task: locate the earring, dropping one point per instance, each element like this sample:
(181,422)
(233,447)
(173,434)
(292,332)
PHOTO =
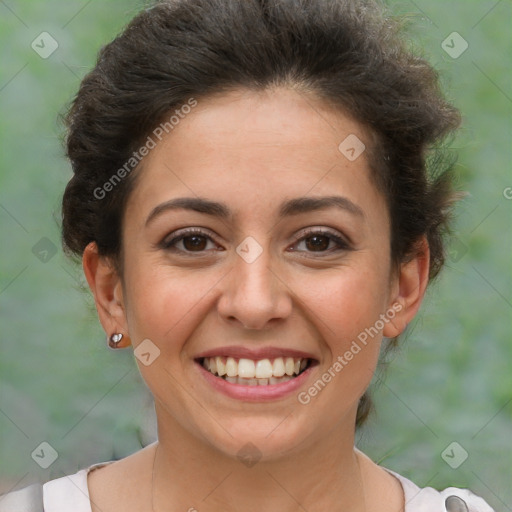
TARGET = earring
(114,340)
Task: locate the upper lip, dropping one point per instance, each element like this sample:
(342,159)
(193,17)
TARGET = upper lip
(241,352)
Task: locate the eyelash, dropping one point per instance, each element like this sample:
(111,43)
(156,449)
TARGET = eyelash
(343,245)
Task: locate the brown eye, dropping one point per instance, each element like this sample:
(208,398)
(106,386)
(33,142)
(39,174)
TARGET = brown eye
(195,242)
(320,242)
(189,241)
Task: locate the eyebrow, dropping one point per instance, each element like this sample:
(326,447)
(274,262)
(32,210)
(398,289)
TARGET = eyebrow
(288,208)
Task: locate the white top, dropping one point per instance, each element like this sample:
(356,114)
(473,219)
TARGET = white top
(61,493)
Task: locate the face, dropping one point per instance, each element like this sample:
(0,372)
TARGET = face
(263,282)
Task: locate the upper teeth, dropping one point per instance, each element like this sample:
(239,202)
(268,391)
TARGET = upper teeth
(249,369)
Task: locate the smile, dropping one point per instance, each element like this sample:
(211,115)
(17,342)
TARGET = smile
(261,372)
(255,377)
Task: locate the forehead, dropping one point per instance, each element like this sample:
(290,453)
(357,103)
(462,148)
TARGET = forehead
(271,118)
(246,147)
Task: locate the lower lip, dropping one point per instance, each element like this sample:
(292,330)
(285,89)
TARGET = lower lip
(254,393)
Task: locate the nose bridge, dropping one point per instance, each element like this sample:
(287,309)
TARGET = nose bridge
(254,294)
(254,272)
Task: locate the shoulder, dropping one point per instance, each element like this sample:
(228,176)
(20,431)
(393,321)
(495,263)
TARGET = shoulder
(451,499)
(28,499)
(104,482)
(54,496)
(72,489)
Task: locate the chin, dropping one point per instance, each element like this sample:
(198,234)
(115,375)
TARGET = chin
(263,439)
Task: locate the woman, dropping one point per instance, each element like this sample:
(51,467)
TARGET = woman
(257,212)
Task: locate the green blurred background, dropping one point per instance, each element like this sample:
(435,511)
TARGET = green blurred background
(449,382)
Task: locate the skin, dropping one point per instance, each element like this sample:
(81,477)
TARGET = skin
(252,151)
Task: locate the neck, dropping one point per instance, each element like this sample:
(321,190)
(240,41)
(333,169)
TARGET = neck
(193,475)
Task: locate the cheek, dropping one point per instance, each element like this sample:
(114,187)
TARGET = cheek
(347,305)
(347,300)
(349,313)
(167,307)
(167,304)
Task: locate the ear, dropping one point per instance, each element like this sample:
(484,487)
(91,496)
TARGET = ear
(408,290)
(106,286)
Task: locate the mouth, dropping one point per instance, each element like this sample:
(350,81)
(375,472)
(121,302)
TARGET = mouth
(256,372)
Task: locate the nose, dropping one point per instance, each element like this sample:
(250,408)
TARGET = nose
(254,293)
